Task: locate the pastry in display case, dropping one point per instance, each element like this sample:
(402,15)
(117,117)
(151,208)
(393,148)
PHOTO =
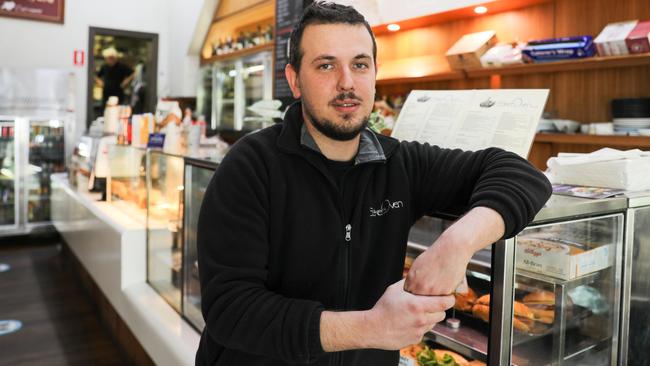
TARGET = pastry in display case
(565,299)
(125,185)
(165,225)
(197,176)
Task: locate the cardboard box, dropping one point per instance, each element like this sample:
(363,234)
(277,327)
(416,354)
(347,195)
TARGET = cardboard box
(611,40)
(561,260)
(638,41)
(467,51)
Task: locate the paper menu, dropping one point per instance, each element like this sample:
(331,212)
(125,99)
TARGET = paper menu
(472,119)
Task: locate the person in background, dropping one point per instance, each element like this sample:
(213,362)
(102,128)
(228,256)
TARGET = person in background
(303,229)
(138,88)
(113,77)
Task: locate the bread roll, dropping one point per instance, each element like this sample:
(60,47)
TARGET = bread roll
(539,297)
(519,308)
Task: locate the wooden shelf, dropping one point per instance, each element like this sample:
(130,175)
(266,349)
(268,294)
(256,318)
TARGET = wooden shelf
(590,63)
(239,54)
(583,139)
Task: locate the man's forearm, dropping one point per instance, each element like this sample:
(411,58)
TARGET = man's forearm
(340,331)
(475,230)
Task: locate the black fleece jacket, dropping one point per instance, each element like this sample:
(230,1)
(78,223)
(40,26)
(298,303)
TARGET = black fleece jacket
(276,246)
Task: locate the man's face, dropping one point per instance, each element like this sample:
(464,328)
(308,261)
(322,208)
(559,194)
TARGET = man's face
(111,60)
(337,79)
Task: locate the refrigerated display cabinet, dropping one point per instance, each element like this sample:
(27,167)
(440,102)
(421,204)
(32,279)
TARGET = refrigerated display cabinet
(31,150)
(555,290)
(237,84)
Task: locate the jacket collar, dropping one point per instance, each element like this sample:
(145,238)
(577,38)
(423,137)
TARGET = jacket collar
(295,136)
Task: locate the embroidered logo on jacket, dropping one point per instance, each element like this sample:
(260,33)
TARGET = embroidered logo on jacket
(386,206)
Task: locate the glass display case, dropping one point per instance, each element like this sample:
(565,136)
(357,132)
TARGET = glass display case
(197,176)
(8,174)
(126,186)
(565,304)
(46,156)
(165,225)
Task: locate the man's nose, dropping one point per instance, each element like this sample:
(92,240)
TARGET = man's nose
(345,82)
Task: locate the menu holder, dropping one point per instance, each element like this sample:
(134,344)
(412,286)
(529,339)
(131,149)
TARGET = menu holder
(472,119)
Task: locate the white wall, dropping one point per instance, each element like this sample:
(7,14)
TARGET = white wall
(32,44)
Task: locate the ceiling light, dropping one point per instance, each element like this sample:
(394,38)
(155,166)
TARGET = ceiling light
(393,27)
(480,10)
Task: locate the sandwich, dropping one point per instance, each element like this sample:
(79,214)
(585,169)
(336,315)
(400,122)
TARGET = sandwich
(542,304)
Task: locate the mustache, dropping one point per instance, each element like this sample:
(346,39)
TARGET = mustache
(346,95)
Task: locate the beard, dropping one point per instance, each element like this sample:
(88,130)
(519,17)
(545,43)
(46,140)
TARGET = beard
(343,132)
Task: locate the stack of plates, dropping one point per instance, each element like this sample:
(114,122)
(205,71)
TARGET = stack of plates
(631,115)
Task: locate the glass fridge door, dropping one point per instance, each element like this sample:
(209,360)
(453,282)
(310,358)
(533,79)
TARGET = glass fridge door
(196,181)
(46,156)
(8,175)
(204,95)
(165,225)
(258,85)
(225,83)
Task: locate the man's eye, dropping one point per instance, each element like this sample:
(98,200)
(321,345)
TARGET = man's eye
(325,67)
(360,65)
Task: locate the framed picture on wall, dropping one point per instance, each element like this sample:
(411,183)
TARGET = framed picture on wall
(46,11)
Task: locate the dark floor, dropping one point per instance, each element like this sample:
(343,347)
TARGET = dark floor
(60,324)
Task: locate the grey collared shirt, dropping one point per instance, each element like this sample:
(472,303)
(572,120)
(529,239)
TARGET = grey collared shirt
(370,149)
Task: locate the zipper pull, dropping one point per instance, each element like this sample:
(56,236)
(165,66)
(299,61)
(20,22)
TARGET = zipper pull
(348,232)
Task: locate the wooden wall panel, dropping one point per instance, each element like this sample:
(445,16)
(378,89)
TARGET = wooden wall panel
(229,7)
(586,95)
(578,17)
(583,95)
(522,24)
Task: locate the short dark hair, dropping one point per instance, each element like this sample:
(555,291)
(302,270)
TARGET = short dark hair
(320,12)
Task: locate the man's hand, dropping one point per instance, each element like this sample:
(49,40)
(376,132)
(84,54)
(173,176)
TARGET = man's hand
(397,320)
(441,268)
(402,318)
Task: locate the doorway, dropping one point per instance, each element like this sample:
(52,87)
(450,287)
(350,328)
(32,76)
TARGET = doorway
(123,64)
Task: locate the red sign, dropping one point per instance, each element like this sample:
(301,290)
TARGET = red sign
(79,57)
(44,10)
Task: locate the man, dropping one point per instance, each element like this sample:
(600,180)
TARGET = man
(298,261)
(113,76)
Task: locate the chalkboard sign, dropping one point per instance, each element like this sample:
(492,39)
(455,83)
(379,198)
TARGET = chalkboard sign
(287,15)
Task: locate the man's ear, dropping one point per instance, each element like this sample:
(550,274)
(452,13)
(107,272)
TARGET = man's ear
(292,78)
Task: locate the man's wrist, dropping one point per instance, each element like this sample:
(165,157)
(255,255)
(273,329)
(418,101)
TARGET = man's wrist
(341,331)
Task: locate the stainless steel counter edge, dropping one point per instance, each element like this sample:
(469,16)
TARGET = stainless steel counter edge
(563,207)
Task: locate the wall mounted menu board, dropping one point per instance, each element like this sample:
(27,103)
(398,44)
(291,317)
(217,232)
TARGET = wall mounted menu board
(43,10)
(287,14)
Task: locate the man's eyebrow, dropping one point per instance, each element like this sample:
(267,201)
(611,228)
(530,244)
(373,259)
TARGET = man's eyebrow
(362,56)
(324,58)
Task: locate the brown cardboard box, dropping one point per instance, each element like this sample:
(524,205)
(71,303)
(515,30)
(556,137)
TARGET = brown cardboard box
(638,41)
(467,51)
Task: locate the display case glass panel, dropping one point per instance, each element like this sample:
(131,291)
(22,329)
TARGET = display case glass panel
(566,283)
(8,174)
(257,78)
(197,178)
(126,184)
(165,225)
(471,337)
(46,156)
(225,81)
